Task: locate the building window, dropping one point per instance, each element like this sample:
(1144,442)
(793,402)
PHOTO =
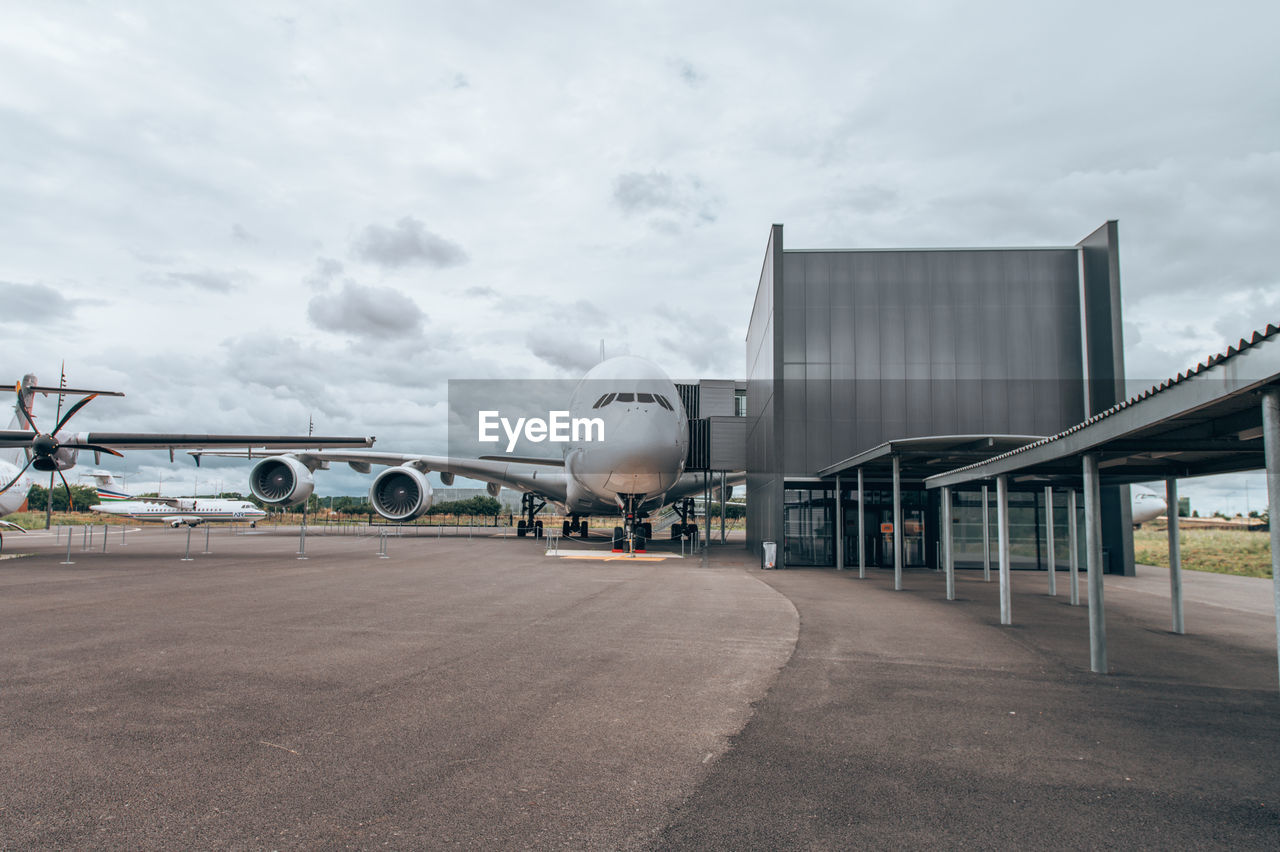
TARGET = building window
(739,403)
(808,528)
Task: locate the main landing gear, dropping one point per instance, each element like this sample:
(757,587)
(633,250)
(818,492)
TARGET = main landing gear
(530,506)
(577,525)
(635,530)
(685,529)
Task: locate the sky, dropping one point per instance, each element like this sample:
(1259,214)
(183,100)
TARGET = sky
(251,216)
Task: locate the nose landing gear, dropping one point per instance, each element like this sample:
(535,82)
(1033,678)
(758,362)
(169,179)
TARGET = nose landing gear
(635,532)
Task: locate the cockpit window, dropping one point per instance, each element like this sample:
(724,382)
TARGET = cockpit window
(644,397)
(603,401)
(626,397)
(662,400)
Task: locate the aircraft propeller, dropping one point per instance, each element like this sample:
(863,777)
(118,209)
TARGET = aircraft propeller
(44,446)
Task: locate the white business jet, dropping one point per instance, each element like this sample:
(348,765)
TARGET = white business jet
(174,511)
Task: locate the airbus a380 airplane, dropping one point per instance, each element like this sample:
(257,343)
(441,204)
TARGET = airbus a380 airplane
(174,511)
(628,461)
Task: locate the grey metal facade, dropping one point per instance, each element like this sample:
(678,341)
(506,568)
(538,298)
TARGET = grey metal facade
(1104,367)
(848,349)
(764,472)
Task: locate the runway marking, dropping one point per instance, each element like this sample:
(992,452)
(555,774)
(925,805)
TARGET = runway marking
(273,745)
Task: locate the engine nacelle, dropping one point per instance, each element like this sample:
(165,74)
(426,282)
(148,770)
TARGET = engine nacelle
(447,479)
(281,481)
(400,494)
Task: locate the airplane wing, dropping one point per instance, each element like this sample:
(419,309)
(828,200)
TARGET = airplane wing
(113,442)
(10,438)
(544,477)
(692,485)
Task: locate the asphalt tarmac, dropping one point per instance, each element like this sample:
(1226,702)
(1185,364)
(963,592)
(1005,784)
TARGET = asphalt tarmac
(480,694)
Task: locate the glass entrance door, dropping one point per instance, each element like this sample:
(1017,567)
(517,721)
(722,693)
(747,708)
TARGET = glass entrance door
(912,537)
(877,526)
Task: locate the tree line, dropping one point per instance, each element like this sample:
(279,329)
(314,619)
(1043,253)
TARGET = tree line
(84,496)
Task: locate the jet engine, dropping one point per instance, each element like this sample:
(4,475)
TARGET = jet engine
(400,493)
(281,481)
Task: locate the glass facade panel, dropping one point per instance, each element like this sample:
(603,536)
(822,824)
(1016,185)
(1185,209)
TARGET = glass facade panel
(877,520)
(1027,535)
(808,527)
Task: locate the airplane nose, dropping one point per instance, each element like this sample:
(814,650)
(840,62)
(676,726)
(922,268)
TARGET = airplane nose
(632,461)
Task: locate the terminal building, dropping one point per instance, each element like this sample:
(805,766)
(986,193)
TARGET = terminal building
(865,362)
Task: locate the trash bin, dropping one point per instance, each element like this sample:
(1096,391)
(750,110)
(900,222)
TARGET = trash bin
(769,554)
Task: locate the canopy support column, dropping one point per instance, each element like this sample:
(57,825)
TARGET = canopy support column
(948,559)
(1048,526)
(1002,545)
(897,524)
(1093,565)
(1271,452)
(1175,556)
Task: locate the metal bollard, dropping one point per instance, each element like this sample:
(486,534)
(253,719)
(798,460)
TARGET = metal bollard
(186,557)
(382,553)
(104,538)
(207,551)
(84,538)
(302,542)
(68,560)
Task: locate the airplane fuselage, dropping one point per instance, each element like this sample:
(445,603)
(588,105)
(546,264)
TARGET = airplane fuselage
(12,500)
(644,442)
(190,512)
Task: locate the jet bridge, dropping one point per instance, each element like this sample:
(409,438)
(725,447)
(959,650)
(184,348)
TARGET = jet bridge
(716,409)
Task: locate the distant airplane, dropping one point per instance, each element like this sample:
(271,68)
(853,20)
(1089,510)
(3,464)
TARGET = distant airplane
(174,511)
(635,469)
(58,451)
(1145,504)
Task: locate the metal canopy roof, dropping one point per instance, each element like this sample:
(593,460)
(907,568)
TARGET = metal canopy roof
(921,457)
(1208,420)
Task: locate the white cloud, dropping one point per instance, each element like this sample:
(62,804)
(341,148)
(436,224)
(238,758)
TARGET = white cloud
(407,243)
(369,312)
(31,304)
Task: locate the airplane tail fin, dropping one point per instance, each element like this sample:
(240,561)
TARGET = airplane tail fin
(26,394)
(109,488)
(19,420)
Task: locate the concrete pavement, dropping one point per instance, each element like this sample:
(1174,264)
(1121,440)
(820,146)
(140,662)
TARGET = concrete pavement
(482,695)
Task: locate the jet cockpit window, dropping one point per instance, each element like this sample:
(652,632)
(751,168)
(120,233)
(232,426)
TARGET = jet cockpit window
(662,400)
(603,401)
(626,397)
(644,397)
